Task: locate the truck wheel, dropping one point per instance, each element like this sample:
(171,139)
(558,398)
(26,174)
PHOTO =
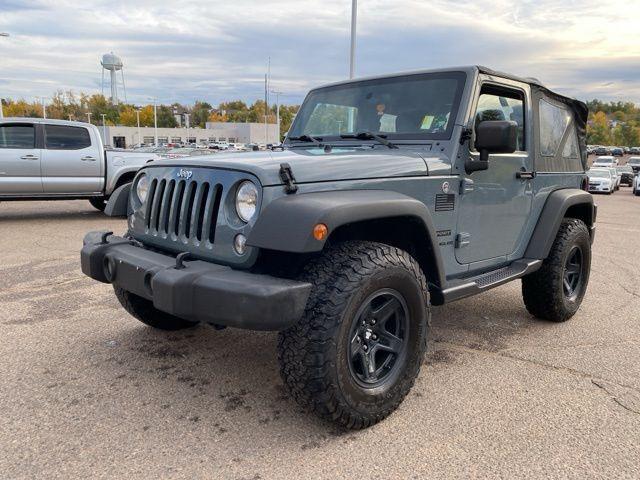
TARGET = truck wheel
(555,291)
(98,203)
(143,310)
(357,350)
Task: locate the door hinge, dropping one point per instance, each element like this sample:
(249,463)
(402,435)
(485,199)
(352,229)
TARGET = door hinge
(463,239)
(466,186)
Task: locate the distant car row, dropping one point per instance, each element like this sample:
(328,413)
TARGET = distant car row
(607,177)
(615,151)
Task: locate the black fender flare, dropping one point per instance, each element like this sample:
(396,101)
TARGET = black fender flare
(286,224)
(118,204)
(553,212)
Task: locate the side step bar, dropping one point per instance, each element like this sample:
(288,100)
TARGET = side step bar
(489,280)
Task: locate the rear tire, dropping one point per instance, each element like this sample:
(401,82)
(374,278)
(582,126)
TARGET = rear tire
(357,350)
(98,203)
(555,291)
(143,310)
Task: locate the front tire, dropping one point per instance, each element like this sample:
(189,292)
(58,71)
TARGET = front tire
(357,350)
(143,310)
(98,203)
(555,291)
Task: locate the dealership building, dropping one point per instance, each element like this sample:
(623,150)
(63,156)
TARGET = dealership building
(124,137)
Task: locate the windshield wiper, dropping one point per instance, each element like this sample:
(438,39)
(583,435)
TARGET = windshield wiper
(370,136)
(306,138)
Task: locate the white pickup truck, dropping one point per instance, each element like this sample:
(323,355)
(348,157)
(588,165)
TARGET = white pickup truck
(42,159)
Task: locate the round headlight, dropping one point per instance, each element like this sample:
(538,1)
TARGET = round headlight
(246,201)
(142,188)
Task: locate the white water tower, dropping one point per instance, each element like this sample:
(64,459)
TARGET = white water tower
(113,64)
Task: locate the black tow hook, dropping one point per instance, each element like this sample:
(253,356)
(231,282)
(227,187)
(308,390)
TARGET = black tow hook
(180,260)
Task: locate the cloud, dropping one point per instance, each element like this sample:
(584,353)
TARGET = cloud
(218,50)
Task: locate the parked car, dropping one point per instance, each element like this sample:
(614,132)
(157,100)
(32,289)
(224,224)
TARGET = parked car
(601,180)
(634,163)
(605,161)
(343,240)
(634,150)
(636,186)
(625,175)
(43,159)
(617,152)
(602,151)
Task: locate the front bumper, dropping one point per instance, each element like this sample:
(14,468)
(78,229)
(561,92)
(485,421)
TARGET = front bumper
(600,188)
(196,290)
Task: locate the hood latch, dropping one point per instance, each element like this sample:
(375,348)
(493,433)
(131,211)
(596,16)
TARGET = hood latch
(286,174)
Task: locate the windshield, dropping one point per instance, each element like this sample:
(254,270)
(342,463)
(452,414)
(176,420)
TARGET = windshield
(634,161)
(599,174)
(604,160)
(625,168)
(419,106)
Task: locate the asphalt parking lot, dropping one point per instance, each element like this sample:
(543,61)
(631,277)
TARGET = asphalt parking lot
(88,392)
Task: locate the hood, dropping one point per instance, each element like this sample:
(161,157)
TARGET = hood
(314,164)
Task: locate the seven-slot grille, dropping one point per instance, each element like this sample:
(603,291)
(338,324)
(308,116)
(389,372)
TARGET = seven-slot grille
(183,209)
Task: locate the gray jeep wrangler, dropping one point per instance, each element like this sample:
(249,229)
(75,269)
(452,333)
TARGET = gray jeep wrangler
(391,194)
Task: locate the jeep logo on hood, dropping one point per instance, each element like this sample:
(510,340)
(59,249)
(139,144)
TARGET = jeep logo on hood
(186,174)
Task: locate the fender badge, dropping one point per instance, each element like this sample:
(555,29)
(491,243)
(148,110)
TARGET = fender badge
(446,187)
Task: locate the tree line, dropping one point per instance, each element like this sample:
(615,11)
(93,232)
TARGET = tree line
(613,123)
(71,106)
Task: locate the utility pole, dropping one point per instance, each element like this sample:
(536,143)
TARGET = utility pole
(354,16)
(88,117)
(104,128)
(138,120)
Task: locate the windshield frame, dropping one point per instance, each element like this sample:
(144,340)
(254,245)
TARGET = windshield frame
(415,137)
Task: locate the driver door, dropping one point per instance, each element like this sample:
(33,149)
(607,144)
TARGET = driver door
(496,203)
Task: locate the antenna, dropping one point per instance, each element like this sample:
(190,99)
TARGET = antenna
(113,64)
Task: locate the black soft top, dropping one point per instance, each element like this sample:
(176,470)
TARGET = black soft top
(579,108)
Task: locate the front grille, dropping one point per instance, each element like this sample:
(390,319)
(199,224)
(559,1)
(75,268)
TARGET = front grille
(183,210)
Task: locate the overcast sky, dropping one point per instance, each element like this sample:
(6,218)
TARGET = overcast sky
(217,50)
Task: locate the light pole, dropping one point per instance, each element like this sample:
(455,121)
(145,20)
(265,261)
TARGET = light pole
(2,34)
(138,119)
(277,94)
(104,128)
(155,121)
(44,106)
(88,117)
(354,15)
(187,124)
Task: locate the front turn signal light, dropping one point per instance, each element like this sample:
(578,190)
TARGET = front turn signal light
(320,231)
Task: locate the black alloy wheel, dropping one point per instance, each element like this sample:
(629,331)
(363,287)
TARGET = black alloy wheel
(572,277)
(378,334)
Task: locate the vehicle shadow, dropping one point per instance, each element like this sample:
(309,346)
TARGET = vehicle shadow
(39,215)
(228,380)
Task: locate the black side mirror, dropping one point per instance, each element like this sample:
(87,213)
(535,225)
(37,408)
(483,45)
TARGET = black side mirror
(493,136)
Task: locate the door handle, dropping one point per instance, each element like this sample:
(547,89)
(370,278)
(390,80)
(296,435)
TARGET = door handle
(525,175)
(29,157)
(88,159)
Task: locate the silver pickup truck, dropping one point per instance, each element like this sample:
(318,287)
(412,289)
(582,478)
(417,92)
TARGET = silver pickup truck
(42,159)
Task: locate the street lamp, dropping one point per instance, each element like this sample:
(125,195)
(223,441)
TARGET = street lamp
(44,106)
(354,15)
(88,117)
